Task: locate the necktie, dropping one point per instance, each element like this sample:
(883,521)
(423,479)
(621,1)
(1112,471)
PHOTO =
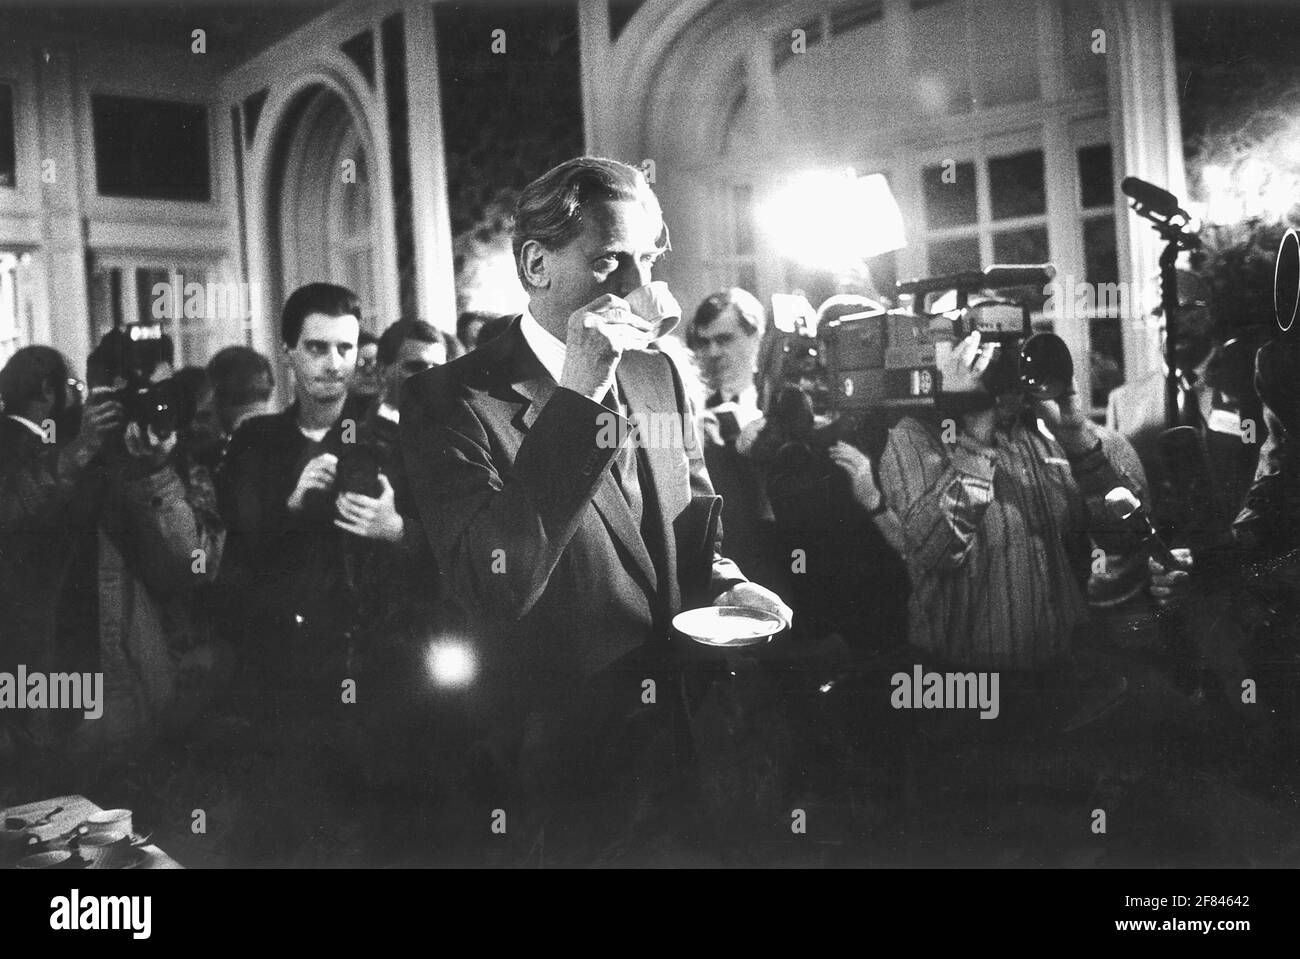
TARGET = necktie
(1188,401)
(728,424)
(624,466)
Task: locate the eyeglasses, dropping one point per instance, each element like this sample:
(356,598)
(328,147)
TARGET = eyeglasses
(1189,305)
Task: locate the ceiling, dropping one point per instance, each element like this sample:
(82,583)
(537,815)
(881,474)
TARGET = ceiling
(236,30)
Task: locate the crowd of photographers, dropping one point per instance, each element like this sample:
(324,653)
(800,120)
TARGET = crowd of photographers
(169,529)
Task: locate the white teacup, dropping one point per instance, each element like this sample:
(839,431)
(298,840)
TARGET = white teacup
(656,304)
(109,821)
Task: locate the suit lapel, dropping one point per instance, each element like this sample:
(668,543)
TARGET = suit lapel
(535,386)
(658,466)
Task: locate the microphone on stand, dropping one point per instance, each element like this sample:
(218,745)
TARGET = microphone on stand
(1158,201)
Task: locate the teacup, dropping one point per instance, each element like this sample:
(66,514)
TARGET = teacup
(656,304)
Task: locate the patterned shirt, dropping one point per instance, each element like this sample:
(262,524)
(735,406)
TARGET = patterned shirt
(998,538)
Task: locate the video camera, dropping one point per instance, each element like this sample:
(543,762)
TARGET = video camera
(886,358)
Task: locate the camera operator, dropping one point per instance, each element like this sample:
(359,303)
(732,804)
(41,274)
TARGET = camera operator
(997,518)
(854,583)
(160,538)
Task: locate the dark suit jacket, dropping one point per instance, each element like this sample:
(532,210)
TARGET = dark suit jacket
(1269,521)
(279,564)
(47,553)
(514,490)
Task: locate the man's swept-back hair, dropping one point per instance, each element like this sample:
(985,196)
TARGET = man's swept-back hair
(550,208)
(749,311)
(323,298)
(28,374)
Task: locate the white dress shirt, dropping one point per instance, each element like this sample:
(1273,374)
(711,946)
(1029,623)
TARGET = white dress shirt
(548,347)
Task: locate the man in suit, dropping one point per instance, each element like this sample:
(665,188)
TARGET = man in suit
(578,548)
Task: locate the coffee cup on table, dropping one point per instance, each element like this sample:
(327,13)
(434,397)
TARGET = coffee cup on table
(655,304)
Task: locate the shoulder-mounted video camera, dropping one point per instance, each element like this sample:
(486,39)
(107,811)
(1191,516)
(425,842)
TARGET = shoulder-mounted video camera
(886,358)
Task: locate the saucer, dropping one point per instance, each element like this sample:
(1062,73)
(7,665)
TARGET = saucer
(729,626)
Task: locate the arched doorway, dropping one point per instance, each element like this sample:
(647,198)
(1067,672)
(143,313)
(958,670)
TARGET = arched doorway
(321,207)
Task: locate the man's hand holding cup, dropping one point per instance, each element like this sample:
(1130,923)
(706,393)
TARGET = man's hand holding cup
(598,333)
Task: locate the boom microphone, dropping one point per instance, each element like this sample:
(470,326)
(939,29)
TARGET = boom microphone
(1158,201)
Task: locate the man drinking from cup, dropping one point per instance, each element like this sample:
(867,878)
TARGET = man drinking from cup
(570,551)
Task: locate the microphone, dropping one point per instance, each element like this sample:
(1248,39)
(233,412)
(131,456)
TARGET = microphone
(1158,201)
(1128,510)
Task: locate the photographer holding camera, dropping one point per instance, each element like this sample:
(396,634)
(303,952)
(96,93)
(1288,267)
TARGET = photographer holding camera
(818,480)
(159,539)
(996,504)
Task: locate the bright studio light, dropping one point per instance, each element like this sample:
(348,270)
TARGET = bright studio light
(834,219)
(451,663)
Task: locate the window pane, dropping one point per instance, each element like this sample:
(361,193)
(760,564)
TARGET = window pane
(949,200)
(1021,246)
(1106,357)
(1096,180)
(954,256)
(151,149)
(1099,254)
(8,171)
(1016,185)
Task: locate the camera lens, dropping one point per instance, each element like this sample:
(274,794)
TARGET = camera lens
(1046,367)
